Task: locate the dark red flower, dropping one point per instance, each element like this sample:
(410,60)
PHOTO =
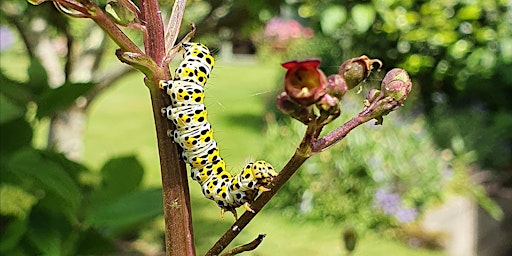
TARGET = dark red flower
(304,82)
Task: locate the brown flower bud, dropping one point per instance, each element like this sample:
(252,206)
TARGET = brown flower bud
(329,104)
(304,82)
(396,84)
(293,109)
(336,86)
(355,70)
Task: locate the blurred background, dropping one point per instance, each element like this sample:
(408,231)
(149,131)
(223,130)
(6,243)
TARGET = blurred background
(79,161)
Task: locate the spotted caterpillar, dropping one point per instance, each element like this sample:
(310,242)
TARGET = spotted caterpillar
(194,134)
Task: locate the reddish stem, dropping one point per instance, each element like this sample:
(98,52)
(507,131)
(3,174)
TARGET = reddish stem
(179,236)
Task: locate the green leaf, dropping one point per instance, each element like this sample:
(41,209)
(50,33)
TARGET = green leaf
(127,211)
(120,176)
(363,16)
(470,12)
(8,110)
(14,135)
(51,177)
(15,91)
(92,242)
(46,233)
(332,18)
(12,234)
(15,201)
(53,100)
(37,77)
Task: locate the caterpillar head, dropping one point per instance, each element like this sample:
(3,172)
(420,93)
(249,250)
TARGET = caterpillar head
(263,173)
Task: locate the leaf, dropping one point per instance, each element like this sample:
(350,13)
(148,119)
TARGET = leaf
(127,211)
(332,18)
(37,77)
(14,135)
(8,110)
(92,242)
(15,201)
(53,100)
(120,176)
(363,16)
(11,234)
(46,232)
(17,92)
(51,177)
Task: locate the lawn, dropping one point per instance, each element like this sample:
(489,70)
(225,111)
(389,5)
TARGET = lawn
(121,123)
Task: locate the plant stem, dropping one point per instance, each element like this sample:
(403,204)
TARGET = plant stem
(338,134)
(179,239)
(105,23)
(179,236)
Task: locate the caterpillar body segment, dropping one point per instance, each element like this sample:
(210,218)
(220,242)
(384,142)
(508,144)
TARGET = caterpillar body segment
(194,134)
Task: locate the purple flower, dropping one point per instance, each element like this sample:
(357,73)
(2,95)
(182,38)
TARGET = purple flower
(406,215)
(6,38)
(387,201)
(391,204)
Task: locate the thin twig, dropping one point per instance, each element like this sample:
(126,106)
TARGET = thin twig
(246,247)
(112,30)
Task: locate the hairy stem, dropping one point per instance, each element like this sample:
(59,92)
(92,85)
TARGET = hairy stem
(179,236)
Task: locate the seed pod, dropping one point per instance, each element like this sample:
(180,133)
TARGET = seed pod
(355,70)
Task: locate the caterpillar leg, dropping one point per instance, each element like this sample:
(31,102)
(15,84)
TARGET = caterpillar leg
(263,189)
(247,207)
(233,211)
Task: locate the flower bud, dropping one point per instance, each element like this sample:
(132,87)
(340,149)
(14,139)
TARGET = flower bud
(336,86)
(329,104)
(293,109)
(396,84)
(355,70)
(372,95)
(304,82)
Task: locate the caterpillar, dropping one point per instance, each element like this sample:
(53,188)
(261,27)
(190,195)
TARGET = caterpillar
(194,135)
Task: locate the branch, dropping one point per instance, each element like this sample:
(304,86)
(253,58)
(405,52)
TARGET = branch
(246,247)
(395,87)
(179,236)
(154,36)
(112,30)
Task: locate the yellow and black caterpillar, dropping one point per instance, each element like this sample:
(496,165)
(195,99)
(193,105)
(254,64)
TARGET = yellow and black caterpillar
(194,134)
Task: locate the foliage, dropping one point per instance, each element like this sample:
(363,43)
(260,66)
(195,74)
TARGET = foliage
(456,51)
(52,205)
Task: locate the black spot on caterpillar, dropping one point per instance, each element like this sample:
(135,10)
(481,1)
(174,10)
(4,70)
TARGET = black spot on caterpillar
(194,134)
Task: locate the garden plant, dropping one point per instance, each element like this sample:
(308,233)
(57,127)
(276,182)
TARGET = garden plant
(309,96)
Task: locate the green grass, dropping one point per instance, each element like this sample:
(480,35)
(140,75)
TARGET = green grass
(121,123)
